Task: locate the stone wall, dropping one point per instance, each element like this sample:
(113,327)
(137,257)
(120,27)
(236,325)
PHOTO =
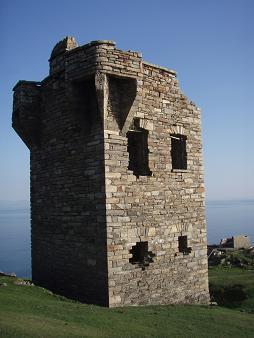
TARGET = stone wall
(157,208)
(102,231)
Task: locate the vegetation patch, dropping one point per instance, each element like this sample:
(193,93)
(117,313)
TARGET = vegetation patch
(28,311)
(229,295)
(232,287)
(242,258)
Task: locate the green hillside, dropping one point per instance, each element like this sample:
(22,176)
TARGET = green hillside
(30,311)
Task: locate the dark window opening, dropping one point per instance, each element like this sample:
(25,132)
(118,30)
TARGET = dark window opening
(178,151)
(183,245)
(84,104)
(122,93)
(138,152)
(140,255)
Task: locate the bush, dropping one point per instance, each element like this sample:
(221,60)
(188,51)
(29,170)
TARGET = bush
(228,295)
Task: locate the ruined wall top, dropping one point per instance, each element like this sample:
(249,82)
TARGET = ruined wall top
(69,64)
(62,46)
(91,52)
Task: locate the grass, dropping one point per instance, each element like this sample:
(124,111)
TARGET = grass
(30,311)
(223,277)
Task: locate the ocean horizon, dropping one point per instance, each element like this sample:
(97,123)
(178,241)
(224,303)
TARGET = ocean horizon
(225,218)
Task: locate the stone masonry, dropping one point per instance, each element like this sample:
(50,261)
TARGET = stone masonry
(117,186)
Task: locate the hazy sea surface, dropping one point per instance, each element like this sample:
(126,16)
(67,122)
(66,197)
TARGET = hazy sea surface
(228,218)
(224,219)
(15,255)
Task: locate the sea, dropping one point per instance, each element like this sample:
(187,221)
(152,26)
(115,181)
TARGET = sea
(224,219)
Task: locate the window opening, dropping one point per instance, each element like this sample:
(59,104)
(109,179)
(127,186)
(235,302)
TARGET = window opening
(138,152)
(84,105)
(140,255)
(183,245)
(178,151)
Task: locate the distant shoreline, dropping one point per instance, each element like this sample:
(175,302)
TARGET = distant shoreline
(26,203)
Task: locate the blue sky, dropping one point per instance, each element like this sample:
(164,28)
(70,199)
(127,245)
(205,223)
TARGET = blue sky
(209,43)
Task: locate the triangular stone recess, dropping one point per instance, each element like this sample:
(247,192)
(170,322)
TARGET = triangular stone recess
(122,93)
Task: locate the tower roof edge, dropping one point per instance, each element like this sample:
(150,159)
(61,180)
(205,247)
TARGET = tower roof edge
(62,46)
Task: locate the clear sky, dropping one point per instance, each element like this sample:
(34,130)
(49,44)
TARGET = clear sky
(210,43)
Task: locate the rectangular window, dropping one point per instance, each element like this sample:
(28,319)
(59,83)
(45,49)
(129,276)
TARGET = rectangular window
(138,152)
(178,151)
(183,245)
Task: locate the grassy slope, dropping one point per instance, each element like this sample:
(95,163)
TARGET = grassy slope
(27,311)
(229,276)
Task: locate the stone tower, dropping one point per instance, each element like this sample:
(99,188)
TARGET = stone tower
(117,190)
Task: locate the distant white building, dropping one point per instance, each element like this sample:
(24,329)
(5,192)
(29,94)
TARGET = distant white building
(236,242)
